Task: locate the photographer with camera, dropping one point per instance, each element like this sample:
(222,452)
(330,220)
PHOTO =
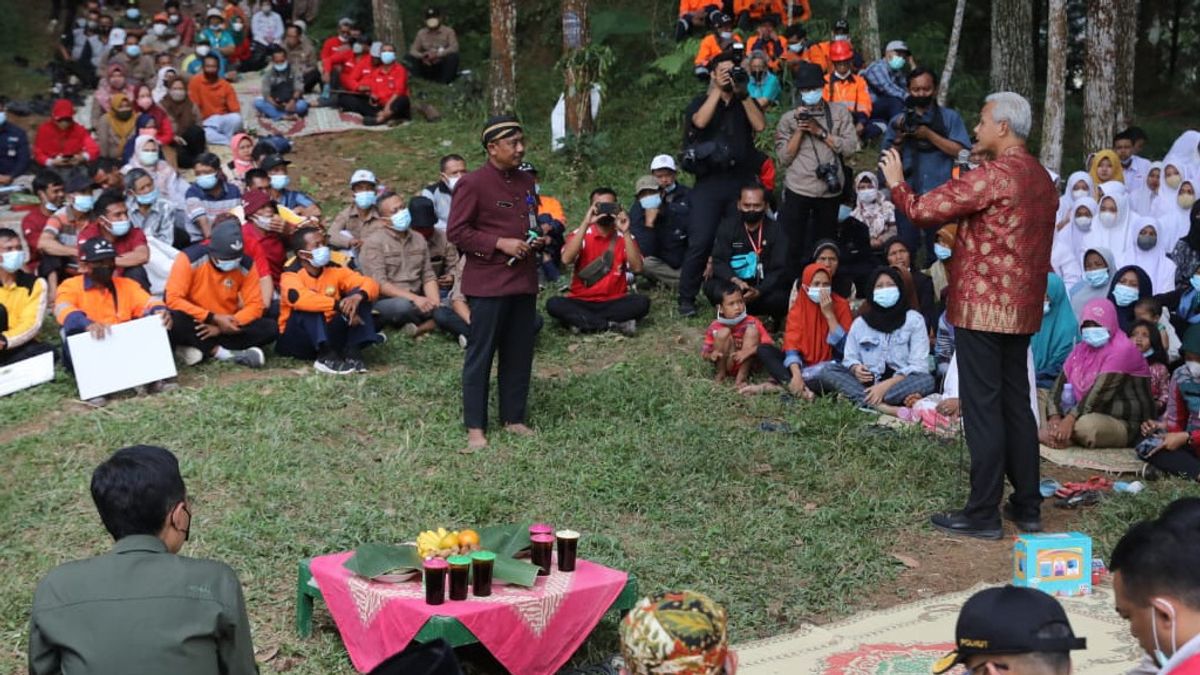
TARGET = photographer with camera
(719,150)
(929,138)
(812,142)
(601,249)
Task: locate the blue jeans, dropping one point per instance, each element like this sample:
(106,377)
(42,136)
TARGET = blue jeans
(268,109)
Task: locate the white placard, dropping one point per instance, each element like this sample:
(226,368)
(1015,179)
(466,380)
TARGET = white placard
(133,353)
(26,373)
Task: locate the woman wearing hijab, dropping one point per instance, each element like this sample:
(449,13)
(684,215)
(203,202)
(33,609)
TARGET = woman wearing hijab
(1187,251)
(873,210)
(144,104)
(817,323)
(887,350)
(943,250)
(1080,234)
(1057,337)
(145,126)
(1144,198)
(116,127)
(1128,285)
(1078,186)
(1185,152)
(899,255)
(829,254)
(1174,212)
(1147,252)
(1111,228)
(190,141)
(242,146)
(115,81)
(1109,395)
(1178,456)
(162,82)
(1106,167)
(146,156)
(1099,265)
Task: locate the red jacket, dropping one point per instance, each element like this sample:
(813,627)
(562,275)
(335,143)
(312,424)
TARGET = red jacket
(387,82)
(52,141)
(356,71)
(334,52)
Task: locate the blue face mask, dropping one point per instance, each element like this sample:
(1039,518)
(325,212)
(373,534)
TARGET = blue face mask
(1096,278)
(1196,281)
(148,198)
(320,256)
(1148,353)
(402,220)
(1095,336)
(814,294)
(651,201)
(844,212)
(132,13)
(120,228)
(896,62)
(206,181)
(12,261)
(811,97)
(279,181)
(387,58)
(83,203)
(1124,295)
(133,51)
(886,297)
(148,157)
(365,199)
(3,117)
(942,252)
(227,265)
(280,67)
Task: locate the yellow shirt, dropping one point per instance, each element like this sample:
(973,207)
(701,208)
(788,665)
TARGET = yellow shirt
(25,301)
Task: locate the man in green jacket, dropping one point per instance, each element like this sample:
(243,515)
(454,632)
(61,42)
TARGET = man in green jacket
(141,608)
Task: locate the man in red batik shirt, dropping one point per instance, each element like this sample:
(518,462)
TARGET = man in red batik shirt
(997,283)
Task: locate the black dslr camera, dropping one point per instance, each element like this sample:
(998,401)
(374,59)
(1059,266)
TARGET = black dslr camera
(739,76)
(831,175)
(606,213)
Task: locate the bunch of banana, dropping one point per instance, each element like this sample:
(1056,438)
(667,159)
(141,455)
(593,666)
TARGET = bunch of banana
(443,543)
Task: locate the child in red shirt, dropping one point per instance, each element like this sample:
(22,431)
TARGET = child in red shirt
(731,341)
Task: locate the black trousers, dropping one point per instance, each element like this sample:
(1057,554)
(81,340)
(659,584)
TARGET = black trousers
(357,103)
(444,71)
(806,220)
(1182,462)
(713,198)
(25,351)
(308,335)
(591,317)
(502,324)
(1000,428)
(196,145)
(261,331)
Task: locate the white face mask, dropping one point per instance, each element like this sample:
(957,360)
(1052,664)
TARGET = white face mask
(1083,222)
(868,196)
(1193,368)
(1079,194)
(452,181)
(1108,218)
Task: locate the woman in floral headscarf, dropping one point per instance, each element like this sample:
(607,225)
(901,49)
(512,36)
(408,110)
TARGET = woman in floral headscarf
(677,632)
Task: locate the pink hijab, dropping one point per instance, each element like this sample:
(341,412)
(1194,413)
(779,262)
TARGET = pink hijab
(1119,355)
(241,166)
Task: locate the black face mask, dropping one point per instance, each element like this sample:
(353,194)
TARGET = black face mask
(753,217)
(920,101)
(102,275)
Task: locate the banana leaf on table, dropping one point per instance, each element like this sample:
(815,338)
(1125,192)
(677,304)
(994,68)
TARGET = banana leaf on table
(377,560)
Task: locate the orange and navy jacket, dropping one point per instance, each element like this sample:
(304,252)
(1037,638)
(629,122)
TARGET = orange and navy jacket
(200,290)
(819,54)
(302,292)
(757,9)
(710,47)
(693,6)
(852,91)
(81,302)
(775,49)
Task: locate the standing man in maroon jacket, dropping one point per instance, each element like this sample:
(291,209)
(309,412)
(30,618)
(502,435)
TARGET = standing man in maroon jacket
(1005,210)
(493,209)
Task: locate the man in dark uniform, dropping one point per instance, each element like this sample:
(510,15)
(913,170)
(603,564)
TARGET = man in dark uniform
(493,211)
(140,607)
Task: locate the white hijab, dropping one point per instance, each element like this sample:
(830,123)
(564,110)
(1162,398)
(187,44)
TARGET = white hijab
(160,86)
(1154,261)
(1185,151)
(1067,199)
(1167,195)
(1175,219)
(1114,237)
(1070,243)
(1141,197)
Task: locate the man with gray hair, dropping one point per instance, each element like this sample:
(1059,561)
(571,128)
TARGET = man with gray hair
(997,284)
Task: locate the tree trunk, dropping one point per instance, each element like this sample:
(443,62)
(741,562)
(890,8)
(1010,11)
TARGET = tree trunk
(576,85)
(868,31)
(389,29)
(503,62)
(1100,74)
(1012,46)
(1127,37)
(960,8)
(1054,116)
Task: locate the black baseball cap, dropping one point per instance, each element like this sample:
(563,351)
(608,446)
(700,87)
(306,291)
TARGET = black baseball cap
(96,249)
(271,161)
(1007,620)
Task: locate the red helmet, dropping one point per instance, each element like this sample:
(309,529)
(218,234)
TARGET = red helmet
(841,51)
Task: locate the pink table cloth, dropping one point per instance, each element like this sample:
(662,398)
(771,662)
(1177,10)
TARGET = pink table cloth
(530,631)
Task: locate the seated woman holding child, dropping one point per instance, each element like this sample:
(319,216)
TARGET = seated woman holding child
(887,350)
(1178,432)
(1109,386)
(817,323)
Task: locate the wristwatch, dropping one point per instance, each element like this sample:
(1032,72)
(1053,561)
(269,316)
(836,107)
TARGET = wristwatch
(824,135)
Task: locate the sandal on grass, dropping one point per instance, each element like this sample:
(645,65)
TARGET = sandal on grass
(1080,498)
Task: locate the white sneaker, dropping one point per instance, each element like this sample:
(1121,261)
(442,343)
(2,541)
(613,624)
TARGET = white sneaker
(190,356)
(462,341)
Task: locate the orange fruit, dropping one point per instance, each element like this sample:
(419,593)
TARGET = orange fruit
(468,538)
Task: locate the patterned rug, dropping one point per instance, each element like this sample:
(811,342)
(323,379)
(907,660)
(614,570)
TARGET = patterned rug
(910,638)
(1111,460)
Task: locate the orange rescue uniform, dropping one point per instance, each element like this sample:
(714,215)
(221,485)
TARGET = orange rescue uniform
(197,288)
(852,91)
(302,292)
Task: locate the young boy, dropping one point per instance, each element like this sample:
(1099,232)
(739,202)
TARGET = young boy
(1150,309)
(731,341)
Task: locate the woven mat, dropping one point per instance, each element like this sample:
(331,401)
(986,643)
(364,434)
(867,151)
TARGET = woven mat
(910,638)
(1110,460)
